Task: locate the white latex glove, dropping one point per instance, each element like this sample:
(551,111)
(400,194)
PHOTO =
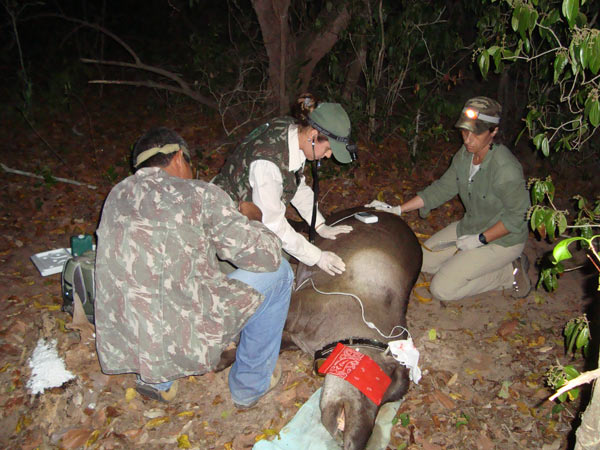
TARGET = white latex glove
(328,232)
(382,206)
(331,263)
(468,242)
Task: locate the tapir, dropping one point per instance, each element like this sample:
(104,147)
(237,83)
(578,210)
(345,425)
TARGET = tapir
(383,261)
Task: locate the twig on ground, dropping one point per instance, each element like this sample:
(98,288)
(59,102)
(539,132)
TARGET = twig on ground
(33,175)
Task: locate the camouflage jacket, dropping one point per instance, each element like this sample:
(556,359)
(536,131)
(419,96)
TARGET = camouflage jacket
(268,142)
(163,307)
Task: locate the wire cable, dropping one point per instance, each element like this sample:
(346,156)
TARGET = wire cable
(362,310)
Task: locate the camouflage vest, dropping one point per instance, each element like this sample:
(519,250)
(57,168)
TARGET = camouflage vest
(268,142)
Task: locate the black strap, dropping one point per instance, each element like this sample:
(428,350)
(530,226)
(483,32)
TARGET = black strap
(323,353)
(315,175)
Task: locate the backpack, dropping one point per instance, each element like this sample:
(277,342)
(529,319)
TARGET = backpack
(78,277)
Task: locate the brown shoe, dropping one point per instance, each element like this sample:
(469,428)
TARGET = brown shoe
(521,282)
(148,391)
(275,379)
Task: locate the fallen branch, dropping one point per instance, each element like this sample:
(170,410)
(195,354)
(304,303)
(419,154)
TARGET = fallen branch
(33,175)
(585,377)
(181,86)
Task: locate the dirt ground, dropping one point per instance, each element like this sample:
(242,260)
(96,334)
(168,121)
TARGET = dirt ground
(482,385)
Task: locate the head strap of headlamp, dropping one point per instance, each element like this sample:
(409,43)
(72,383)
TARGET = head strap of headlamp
(350,146)
(480,115)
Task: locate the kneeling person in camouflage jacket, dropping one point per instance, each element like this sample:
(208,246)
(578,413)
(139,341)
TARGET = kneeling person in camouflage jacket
(164,309)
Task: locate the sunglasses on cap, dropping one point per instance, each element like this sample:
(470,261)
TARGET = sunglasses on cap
(473,114)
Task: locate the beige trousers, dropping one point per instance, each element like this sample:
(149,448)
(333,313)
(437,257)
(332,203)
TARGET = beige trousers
(459,274)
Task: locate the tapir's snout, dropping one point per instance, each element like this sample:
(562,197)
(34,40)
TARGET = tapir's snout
(341,398)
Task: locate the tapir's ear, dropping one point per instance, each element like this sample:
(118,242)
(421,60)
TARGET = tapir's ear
(400,381)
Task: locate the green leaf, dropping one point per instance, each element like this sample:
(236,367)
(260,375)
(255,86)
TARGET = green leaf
(595,55)
(483,61)
(537,192)
(592,111)
(561,223)
(545,146)
(514,22)
(560,62)
(503,393)
(549,189)
(561,250)
(550,223)
(583,338)
(533,17)
(523,23)
(570,9)
(537,218)
(584,53)
(537,140)
(493,50)
(571,372)
(573,394)
(404,419)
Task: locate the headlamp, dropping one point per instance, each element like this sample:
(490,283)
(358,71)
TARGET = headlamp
(350,146)
(473,114)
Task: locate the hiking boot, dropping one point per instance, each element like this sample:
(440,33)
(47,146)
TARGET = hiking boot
(275,379)
(150,391)
(521,282)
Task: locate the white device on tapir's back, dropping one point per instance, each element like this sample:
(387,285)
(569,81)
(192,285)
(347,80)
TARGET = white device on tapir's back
(366,217)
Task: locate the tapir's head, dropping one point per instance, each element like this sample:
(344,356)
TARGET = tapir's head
(348,414)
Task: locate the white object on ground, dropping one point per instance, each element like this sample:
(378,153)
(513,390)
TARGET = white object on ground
(47,368)
(52,261)
(405,352)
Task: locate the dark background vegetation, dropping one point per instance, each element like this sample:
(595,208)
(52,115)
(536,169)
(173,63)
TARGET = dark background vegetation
(402,69)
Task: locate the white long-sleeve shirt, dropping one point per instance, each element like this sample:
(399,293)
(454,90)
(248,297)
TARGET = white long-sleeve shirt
(267,189)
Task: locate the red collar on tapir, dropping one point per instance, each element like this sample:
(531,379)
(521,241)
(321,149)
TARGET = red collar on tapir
(359,370)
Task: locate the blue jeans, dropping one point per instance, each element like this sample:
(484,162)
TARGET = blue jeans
(260,339)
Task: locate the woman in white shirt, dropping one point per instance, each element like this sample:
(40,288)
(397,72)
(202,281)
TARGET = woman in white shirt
(266,169)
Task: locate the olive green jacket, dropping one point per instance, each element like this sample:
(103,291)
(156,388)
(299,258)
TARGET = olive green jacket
(497,192)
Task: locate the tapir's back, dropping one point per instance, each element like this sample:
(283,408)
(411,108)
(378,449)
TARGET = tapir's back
(383,261)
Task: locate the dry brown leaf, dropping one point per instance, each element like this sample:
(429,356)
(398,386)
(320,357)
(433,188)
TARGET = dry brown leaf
(80,322)
(154,423)
(506,328)
(76,438)
(443,399)
(484,442)
(133,434)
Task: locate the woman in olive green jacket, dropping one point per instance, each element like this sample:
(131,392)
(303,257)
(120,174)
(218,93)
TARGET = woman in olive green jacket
(484,250)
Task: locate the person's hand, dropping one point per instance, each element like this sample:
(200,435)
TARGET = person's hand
(468,242)
(331,263)
(328,232)
(382,206)
(250,210)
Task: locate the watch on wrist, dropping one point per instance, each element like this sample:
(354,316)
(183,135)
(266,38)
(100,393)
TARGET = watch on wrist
(482,239)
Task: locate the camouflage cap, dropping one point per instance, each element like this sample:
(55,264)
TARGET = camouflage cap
(331,120)
(479,114)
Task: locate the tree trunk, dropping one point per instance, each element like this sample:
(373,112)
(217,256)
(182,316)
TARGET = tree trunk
(355,68)
(273,19)
(317,45)
(289,54)
(588,432)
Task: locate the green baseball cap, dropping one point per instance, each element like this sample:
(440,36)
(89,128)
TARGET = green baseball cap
(479,115)
(331,120)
